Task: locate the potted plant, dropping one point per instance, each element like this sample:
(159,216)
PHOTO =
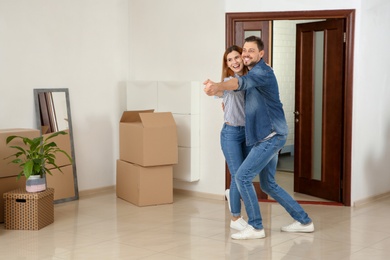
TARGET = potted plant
(35,159)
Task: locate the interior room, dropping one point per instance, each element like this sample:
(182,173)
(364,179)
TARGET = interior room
(97,50)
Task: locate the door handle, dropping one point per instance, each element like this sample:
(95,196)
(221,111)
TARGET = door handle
(296,113)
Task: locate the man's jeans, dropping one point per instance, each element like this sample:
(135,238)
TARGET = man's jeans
(235,151)
(262,159)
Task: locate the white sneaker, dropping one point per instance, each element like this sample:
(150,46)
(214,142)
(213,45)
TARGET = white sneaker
(297,227)
(227,194)
(249,233)
(239,224)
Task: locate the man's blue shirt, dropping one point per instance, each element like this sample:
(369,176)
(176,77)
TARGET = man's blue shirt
(263,110)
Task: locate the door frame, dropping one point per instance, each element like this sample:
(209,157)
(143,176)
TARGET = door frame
(349,16)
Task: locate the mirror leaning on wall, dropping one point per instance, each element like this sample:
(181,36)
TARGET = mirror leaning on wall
(53,114)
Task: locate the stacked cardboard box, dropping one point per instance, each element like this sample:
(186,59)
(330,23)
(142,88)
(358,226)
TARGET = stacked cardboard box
(148,149)
(9,171)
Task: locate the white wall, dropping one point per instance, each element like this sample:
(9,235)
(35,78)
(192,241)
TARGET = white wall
(80,45)
(286,5)
(371,124)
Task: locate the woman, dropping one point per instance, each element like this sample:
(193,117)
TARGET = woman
(233,131)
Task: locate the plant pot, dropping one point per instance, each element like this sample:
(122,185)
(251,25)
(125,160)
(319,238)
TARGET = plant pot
(35,183)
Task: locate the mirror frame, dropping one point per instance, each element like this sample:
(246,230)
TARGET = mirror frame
(70,127)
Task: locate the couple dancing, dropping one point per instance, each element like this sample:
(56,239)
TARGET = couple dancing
(254,131)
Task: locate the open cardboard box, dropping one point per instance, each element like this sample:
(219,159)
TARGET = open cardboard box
(148,138)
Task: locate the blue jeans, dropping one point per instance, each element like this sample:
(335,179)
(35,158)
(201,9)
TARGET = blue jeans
(262,160)
(235,150)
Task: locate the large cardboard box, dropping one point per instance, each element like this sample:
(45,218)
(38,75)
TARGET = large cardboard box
(144,186)
(8,184)
(62,182)
(28,210)
(148,138)
(63,142)
(10,169)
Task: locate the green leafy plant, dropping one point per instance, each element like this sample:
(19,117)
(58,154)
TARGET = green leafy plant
(40,153)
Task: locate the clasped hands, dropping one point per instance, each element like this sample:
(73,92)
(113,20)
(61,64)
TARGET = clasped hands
(211,88)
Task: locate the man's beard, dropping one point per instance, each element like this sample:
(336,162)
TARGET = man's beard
(250,64)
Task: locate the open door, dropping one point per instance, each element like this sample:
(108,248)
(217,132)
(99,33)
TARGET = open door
(319,116)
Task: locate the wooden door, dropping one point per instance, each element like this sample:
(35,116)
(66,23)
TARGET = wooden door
(243,29)
(261,29)
(319,116)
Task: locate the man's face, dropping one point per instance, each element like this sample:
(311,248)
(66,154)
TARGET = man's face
(251,54)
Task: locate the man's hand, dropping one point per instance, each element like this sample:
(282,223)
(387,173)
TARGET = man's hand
(211,88)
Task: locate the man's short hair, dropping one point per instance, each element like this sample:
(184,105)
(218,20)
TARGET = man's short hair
(256,39)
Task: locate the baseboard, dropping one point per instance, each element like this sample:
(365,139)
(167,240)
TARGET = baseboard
(362,202)
(199,194)
(287,149)
(92,192)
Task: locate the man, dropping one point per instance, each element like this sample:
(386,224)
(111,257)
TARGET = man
(266,129)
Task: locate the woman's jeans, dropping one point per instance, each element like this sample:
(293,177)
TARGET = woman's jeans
(235,150)
(262,161)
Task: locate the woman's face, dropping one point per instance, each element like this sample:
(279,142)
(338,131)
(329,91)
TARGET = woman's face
(234,62)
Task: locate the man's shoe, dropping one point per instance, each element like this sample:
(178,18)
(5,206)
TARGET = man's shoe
(239,224)
(249,233)
(297,227)
(227,194)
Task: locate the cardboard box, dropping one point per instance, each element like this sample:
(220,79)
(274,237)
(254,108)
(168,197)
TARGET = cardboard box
(8,184)
(62,182)
(28,210)
(63,142)
(147,138)
(10,169)
(144,186)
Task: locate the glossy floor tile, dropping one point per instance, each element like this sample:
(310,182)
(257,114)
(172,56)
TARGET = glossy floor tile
(103,226)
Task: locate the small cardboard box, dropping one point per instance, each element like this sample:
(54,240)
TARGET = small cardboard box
(147,138)
(144,186)
(8,184)
(62,182)
(10,169)
(63,142)
(28,210)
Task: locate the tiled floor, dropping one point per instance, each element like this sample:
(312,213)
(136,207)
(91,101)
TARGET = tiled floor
(105,227)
